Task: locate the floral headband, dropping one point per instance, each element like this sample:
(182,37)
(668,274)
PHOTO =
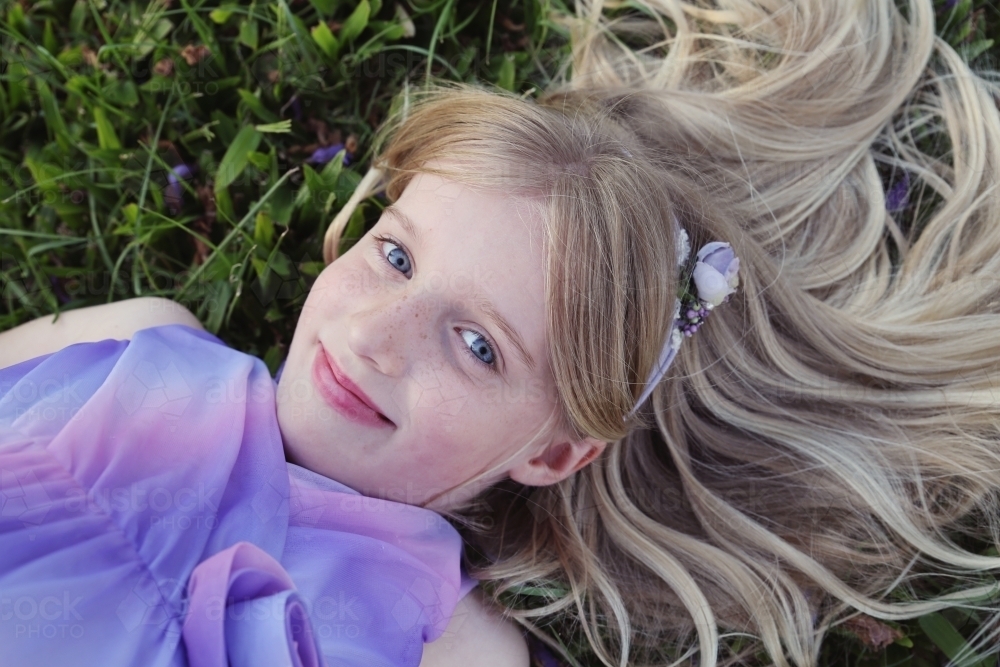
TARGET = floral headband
(712,281)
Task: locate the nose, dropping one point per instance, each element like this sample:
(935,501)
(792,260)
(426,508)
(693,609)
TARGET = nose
(385,332)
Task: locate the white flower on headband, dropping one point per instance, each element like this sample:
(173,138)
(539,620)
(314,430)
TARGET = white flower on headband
(683,246)
(716,272)
(714,278)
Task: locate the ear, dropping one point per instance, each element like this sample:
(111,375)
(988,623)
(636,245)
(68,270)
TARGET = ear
(557,462)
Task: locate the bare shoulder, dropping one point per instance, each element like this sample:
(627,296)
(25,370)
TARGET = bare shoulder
(118,320)
(477,635)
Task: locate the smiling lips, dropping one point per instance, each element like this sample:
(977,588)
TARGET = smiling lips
(343,395)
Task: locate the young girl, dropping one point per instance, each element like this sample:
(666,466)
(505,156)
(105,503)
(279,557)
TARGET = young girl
(660,336)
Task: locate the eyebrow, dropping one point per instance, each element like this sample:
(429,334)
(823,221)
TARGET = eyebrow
(510,332)
(406,222)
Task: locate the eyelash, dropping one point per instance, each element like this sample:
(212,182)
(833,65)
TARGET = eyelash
(492,368)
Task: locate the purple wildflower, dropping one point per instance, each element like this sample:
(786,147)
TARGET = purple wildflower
(541,654)
(898,196)
(58,289)
(324,154)
(174,195)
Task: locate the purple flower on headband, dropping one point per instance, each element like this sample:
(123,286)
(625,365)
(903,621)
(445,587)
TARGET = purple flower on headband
(716,272)
(174,195)
(327,153)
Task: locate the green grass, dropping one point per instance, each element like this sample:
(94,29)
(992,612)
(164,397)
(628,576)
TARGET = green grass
(100,99)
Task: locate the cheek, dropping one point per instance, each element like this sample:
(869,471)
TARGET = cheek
(337,284)
(487,426)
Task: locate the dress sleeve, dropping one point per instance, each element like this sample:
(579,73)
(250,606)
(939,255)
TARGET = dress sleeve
(468,583)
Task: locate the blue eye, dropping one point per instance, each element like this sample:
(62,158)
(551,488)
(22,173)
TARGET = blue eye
(397,257)
(479,347)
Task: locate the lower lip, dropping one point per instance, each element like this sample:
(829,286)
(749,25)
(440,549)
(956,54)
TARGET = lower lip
(339,398)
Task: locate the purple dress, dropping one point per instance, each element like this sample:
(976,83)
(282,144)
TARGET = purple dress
(148,517)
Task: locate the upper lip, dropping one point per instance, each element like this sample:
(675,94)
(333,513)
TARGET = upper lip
(348,384)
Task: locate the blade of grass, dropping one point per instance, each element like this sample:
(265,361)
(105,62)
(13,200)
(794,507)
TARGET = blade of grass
(489,32)
(442,19)
(145,185)
(102,248)
(229,237)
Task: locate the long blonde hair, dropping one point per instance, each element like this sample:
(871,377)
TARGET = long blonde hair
(822,438)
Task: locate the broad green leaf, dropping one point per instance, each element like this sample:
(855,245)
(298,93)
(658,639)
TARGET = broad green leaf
(944,635)
(465,60)
(376,5)
(15,19)
(325,7)
(505,79)
(317,188)
(392,31)
(77,17)
(331,172)
(263,231)
(972,51)
(356,22)
(224,205)
(552,591)
(43,173)
(282,204)
(257,107)
(144,41)
(131,213)
(53,114)
(354,230)
(218,298)
(220,16)
(106,136)
(249,34)
(225,127)
(17,77)
(311,269)
(302,196)
(347,183)
(235,160)
(71,56)
(78,84)
(49,38)
(273,358)
(324,39)
(260,160)
(121,93)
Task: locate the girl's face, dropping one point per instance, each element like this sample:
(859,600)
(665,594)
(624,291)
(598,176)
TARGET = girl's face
(419,359)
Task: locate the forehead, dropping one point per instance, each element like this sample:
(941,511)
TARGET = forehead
(479,246)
